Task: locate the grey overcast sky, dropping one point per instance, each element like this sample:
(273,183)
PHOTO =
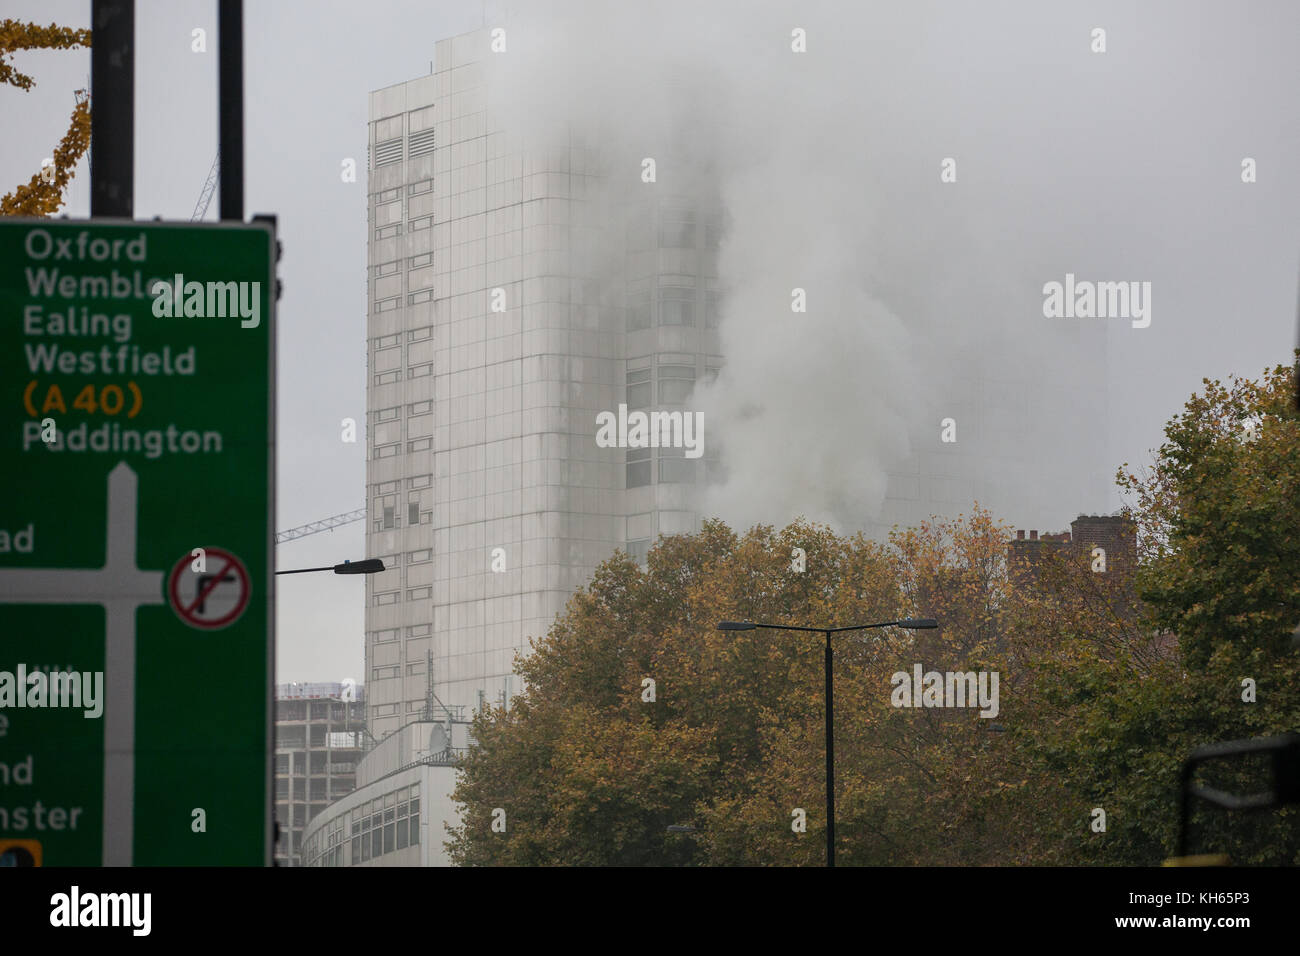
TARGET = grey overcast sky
(1119,166)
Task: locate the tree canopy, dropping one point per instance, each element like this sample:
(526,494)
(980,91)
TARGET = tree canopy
(42,195)
(638,714)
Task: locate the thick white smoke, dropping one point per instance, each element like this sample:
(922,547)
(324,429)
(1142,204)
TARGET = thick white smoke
(827,163)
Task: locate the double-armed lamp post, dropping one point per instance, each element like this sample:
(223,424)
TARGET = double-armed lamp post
(915,624)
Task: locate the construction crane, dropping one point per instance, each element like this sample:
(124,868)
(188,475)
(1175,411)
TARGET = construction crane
(325,524)
(209,187)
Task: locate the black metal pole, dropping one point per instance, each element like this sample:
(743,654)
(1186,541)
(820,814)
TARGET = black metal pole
(230,106)
(830,755)
(112,108)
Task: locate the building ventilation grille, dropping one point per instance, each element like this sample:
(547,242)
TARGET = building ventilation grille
(422,142)
(388,153)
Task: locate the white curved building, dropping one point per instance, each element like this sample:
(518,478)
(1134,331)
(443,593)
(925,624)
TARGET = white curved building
(396,815)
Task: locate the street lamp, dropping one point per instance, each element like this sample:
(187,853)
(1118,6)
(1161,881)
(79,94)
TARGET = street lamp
(368,566)
(915,624)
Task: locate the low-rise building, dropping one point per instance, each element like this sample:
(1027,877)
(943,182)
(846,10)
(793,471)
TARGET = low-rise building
(396,814)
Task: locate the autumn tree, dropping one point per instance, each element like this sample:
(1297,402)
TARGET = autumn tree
(1116,703)
(639,714)
(589,769)
(42,195)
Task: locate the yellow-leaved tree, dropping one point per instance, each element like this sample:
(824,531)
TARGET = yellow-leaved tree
(42,195)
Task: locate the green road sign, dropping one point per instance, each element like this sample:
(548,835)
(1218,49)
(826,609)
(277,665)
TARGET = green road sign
(136,502)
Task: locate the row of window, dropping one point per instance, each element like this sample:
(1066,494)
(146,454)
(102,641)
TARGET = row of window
(412,594)
(676,382)
(388,519)
(387,634)
(381,269)
(413,371)
(390,451)
(677,230)
(383,825)
(393,195)
(676,307)
(414,298)
(393,412)
(674,467)
(395,341)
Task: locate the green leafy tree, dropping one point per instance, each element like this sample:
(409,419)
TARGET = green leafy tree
(1115,702)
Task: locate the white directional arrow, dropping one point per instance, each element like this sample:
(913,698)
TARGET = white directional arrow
(121,587)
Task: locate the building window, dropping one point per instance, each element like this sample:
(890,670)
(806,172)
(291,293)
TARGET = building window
(638,388)
(419,594)
(415,298)
(420,444)
(388,195)
(416,262)
(638,467)
(639,550)
(387,414)
(417,335)
(423,186)
(712,309)
(419,408)
(388,232)
(640,232)
(390,518)
(423,222)
(387,451)
(419,557)
(388,597)
(675,467)
(412,512)
(638,309)
(420,371)
(387,268)
(677,228)
(676,305)
(388,213)
(675,383)
(388,378)
(419,630)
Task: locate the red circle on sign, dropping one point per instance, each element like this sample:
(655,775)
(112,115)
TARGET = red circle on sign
(191,611)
